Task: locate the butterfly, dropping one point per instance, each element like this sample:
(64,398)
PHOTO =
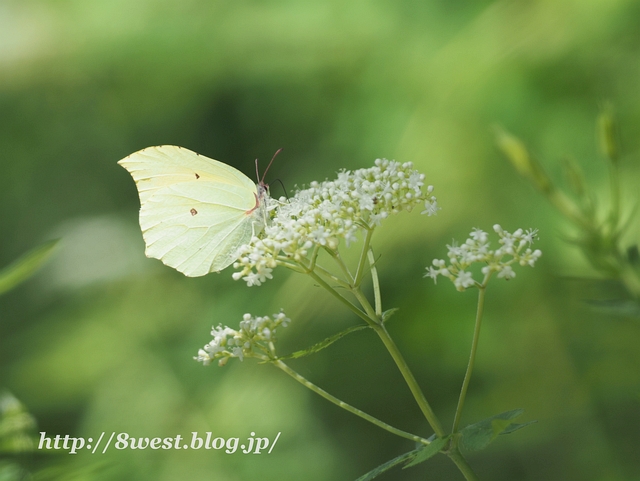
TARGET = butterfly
(195,212)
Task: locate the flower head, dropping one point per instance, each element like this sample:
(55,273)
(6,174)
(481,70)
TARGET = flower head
(255,337)
(514,248)
(332,212)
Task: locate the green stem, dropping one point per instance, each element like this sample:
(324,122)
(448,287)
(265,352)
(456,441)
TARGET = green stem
(373,317)
(366,305)
(343,267)
(363,257)
(376,323)
(334,278)
(376,282)
(472,358)
(614,184)
(337,295)
(281,365)
(566,207)
(456,456)
(434,422)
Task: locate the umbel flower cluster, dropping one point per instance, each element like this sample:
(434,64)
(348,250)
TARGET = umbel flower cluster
(326,213)
(514,248)
(255,338)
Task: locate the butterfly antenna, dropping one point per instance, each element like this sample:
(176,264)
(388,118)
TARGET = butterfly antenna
(267,169)
(283,188)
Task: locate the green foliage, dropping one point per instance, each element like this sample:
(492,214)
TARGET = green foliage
(411,458)
(17,426)
(386,315)
(479,435)
(374,473)
(599,232)
(323,344)
(427,452)
(617,307)
(23,268)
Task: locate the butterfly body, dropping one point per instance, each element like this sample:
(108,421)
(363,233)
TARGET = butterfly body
(194,211)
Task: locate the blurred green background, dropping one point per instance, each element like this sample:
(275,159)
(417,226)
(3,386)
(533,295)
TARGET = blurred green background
(102,339)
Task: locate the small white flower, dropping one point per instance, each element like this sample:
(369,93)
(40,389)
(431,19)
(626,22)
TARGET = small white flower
(433,273)
(256,336)
(507,273)
(476,249)
(330,212)
(463,280)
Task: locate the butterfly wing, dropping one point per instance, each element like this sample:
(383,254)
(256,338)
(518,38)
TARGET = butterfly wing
(195,212)
(156,167)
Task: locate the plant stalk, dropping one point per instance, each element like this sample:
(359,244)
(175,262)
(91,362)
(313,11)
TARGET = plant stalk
(418,395)
(281,365)
(472,358)
(456,456)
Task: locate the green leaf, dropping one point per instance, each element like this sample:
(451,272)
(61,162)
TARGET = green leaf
(16,426)
(478,436)
(388,465)
(411,458)
(25,266)
(617,307)
(513,427)
(323,344)
(427,452)
(388,313)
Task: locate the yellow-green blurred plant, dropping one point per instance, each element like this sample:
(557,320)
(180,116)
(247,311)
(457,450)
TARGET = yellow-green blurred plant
(599,230)
(17,425)
(24,267)
(17,428)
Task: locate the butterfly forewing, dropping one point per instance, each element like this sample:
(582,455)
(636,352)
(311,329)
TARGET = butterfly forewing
(156,167)
(195,212)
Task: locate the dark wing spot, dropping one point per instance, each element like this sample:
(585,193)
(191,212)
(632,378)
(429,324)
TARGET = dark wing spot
(197,176)
(193,211)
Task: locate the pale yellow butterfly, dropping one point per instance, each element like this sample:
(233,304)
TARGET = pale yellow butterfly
(194,211)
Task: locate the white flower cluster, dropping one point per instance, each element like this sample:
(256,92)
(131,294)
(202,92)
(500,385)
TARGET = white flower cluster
(331,211)
(476,249)
(256,335)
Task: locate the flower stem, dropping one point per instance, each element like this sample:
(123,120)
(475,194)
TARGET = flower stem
(336,294)
(376,282)
(614,186)
(281,365)
(335,254)
(472,358)
(456,456)
(369,315)
(363,256)
(334,278)
(418,395)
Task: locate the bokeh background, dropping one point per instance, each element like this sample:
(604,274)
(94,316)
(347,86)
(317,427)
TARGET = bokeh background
(102,339)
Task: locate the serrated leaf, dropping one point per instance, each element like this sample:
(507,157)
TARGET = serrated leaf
(323,344)
(23,268)
(427,452)
(388,313)
(388,465)
(478,436)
